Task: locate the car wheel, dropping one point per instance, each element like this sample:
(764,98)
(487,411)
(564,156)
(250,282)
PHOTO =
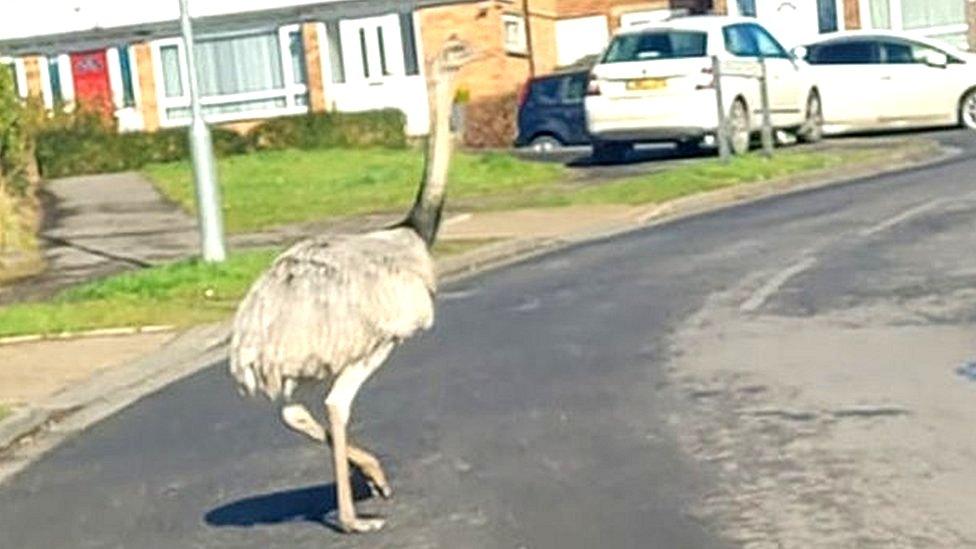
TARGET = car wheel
(545,144)
(740,136)
(812,129)
(967,110)
(611,152)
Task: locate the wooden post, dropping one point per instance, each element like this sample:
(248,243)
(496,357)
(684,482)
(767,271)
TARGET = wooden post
(722,131)
(767,120)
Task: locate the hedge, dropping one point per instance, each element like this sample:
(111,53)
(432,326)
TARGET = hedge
(320,131)
(87,145)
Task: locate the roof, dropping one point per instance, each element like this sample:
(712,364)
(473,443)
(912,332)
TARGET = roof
(703,23)
(57,26)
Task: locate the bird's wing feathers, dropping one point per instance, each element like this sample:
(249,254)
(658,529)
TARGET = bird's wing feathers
(327,303)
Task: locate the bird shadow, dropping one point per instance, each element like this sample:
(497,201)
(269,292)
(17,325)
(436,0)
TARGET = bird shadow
(310,504)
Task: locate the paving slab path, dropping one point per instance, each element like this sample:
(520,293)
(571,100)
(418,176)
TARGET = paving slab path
(102,224)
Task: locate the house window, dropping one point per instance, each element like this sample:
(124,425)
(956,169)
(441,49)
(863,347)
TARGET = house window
(409,37)
(125,68)
(240,64)
(18,75)
(54,81)
(516,41)
(747,7)
(827,15)
(296,46)
(239,76)
(172,71)
(944,19)
(920,14)
(335,52)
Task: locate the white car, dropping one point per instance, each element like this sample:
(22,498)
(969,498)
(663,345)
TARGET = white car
(655,83)
(875,80)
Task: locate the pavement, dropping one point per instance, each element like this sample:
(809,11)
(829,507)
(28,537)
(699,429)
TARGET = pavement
(100,225)
(521,422)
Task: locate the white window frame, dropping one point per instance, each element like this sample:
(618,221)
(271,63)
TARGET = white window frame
(522,46)
(65,75)
(289,92)
(897,22)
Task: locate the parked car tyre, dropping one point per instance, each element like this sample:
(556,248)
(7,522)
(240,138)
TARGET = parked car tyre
(812,129)
(740,135)
(611,151)
(967,110)
(545,144)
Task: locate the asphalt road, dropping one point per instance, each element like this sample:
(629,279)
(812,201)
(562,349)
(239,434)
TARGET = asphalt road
(538,413)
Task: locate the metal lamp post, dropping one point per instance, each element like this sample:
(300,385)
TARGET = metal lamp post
(204,166)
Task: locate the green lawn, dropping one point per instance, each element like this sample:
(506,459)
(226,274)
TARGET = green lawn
(179,294)
(278,187)
(274,188)
(707,175)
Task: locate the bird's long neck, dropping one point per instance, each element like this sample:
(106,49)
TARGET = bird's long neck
(425,215)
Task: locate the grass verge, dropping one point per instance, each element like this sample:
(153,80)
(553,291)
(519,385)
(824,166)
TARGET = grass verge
(683,180)
(275,188)
(271,188)
(179,294)
(4,412)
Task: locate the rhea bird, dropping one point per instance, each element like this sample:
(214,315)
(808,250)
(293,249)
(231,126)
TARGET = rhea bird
(331,309)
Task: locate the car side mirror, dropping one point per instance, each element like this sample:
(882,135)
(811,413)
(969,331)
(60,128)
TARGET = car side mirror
(936,59)
(799,52)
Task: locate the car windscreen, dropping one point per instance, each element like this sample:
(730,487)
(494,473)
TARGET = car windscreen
(658,44)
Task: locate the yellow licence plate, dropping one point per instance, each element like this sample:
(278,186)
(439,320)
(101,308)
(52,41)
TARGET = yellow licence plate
(647,84)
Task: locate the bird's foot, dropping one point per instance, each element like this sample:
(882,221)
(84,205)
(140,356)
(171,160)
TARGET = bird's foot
(355,525)
(380,488)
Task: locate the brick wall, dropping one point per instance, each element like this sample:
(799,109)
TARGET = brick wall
(492,81)
(148,104)
(313,67)
(32,69)
(852,15)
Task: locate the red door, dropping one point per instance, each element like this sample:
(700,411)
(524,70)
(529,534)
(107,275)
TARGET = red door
(92,87)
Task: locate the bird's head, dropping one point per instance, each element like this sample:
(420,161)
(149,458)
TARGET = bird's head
(454,55)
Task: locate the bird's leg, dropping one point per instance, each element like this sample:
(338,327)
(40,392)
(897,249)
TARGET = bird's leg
(371,469)
(298,418)
(338,405)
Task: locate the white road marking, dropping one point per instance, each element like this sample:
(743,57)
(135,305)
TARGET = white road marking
(902,217)
(774,284)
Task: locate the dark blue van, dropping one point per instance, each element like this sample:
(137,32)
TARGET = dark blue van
(551,113)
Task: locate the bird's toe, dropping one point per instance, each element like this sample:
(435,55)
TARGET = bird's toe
(381,489)
(355,525)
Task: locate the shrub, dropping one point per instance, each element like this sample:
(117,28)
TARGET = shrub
(383,128)
(15,143)
(85,143)
(491,122)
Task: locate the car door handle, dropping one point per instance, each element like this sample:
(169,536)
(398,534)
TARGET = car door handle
(887,77)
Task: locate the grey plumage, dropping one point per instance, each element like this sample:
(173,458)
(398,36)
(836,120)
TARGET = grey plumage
(331,309)
(327,303)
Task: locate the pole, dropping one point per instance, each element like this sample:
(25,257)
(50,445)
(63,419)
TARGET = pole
(528,37)
(721,132)
(201,150)
(767,121)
